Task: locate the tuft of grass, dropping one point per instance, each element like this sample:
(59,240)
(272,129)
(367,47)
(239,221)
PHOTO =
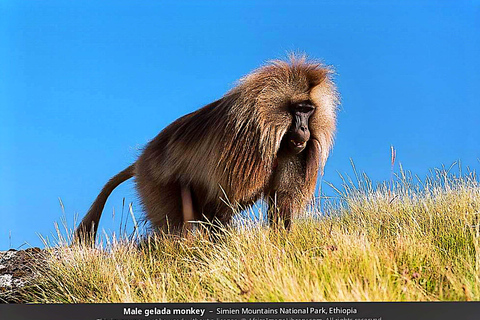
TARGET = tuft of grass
(403,240)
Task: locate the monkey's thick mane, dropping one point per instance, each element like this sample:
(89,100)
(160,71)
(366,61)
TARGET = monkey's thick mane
(261,92)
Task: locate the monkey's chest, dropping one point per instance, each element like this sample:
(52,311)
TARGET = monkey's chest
(288,174)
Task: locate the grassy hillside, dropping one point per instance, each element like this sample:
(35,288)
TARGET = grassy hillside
(403,240)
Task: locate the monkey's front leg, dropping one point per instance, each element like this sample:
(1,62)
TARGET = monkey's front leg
(280,211)
(216,218)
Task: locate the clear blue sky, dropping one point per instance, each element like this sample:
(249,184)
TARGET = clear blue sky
(84,85)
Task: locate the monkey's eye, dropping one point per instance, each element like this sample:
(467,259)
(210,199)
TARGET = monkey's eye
(304,107)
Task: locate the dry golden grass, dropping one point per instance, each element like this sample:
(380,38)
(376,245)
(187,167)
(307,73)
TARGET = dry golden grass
(399,241)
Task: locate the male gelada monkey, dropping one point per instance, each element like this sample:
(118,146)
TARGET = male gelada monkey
(268,137)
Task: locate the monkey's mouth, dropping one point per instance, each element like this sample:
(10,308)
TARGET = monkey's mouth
(298,146)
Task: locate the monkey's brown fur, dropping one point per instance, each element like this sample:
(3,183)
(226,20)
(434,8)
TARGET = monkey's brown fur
(228,154)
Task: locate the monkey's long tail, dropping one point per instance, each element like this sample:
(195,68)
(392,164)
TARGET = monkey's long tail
(87,229)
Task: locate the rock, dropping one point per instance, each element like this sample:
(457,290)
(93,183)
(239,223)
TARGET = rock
(17,270)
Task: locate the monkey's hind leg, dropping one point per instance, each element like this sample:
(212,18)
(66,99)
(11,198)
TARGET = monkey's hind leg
(163,206)
(189,212)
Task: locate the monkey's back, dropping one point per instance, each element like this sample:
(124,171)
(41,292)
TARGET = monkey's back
(201,150)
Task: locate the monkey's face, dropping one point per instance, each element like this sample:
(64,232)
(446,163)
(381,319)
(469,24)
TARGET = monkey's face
(299,132)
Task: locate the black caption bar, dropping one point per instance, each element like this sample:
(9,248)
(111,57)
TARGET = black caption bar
(245,311)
